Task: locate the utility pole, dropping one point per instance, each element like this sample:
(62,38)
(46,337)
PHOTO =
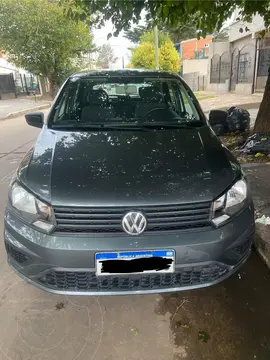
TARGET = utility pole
(156,47)
(123,62)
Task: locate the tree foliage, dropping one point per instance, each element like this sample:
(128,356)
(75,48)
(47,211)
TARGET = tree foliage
(169,58)
(39,37)
(208,16)
(143,57)
(182,32)
(222,35)
(149,37)
(176,34)
(106,56)
(134,35)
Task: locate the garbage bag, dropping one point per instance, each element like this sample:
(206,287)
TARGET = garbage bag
(257,143)
(238,119)
(218,121)
(219,129)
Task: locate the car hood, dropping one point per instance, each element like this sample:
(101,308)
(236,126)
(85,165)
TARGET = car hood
(128,167)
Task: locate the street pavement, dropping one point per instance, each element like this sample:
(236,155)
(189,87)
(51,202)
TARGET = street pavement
(229,321)
(20,104)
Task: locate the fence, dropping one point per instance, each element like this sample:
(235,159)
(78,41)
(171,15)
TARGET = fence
(239,67)
(195,81)
(26,84)
(264,62)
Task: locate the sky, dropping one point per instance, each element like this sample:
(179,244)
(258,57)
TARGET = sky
(119,44)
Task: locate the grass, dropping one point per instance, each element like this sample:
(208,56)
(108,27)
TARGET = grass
(202,96)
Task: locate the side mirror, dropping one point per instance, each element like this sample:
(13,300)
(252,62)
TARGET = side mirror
(35,119)
(218,121)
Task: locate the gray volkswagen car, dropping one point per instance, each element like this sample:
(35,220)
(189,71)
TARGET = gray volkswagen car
(127,191)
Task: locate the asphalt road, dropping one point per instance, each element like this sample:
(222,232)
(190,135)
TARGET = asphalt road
(229,321)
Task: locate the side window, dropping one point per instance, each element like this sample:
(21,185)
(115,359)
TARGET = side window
(60,112)
(68,106)
(173,100)
(186,108)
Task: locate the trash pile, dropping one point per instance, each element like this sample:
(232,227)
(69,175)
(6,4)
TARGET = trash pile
(257,143)
(265,220)
(231,121)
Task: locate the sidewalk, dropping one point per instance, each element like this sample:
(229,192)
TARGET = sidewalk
(230,99)
(19,106)
(223,101)
(258,177)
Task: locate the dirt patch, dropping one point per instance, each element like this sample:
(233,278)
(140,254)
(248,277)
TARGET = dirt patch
(227,321)
(59,306)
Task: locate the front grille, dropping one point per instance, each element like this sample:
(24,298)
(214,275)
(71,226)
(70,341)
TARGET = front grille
(16,254)
(88,281)
(108,219)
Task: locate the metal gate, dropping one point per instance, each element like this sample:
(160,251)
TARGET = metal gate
(234,69)
(7,84)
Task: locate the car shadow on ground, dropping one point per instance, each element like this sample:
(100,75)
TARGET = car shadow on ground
(227,321)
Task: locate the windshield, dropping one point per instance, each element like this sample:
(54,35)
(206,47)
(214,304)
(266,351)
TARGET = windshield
(124,101)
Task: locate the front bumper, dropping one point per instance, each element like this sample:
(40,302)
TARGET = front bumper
(65,264)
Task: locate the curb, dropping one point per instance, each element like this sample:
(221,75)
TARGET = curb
(261,243)
(25,111)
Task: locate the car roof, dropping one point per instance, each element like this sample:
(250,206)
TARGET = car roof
(125,72)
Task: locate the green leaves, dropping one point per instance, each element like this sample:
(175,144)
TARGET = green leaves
(143,57)
(149,37)
(208,15)
(203,336)
(39,37)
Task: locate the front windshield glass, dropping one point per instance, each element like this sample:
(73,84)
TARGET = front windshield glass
(124,101)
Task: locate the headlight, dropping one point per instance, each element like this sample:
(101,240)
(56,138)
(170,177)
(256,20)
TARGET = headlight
(230,203)
(31,209)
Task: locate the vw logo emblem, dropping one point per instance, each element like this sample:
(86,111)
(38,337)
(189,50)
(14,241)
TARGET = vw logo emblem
(134,223)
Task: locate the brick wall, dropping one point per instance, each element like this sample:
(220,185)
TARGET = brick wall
(189,47)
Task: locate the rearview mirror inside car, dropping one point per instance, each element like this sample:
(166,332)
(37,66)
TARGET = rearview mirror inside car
(35,119)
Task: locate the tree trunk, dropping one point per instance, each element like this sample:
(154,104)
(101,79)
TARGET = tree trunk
(53,87)
(262,123)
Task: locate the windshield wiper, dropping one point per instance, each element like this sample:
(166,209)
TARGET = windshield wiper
(169,125)
(99,127)
(132,126)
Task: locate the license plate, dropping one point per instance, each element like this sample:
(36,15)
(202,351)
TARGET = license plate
(135,262)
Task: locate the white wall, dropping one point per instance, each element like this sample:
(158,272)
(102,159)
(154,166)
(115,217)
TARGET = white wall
(195,65)
(218,48)
(8,68)
(240,43)
(256,26)
(219,88)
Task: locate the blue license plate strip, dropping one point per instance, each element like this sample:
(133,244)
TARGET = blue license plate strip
(130,255)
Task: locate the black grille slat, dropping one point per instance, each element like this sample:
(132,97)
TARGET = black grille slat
(179,212)
(108,219)
(88,281)
(87,216)
(16,254)
(88,226)
(179,218)
(88,222)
